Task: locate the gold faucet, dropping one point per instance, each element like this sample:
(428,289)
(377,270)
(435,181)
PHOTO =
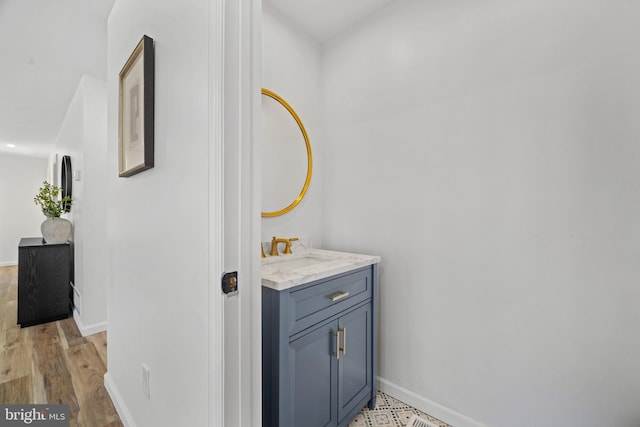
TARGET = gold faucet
(287,247)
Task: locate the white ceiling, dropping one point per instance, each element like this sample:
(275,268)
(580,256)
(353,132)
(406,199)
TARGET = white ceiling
(45,47)
(324,19)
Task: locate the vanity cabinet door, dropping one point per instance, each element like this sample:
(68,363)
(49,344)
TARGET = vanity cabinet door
(314,378)
(354,369)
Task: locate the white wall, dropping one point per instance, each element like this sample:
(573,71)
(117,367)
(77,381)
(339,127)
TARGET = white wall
(158,223)
(291,68)
(83,137)
(20,179)
(488,151)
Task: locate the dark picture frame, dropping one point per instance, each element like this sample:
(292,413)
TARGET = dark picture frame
(136,110)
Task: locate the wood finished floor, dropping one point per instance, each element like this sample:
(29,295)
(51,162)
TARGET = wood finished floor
(52,363)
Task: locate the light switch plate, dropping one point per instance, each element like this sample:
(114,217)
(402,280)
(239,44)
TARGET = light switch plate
(145,381)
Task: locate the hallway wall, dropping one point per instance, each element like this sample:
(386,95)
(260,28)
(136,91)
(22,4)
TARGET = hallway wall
(19,216)
(158,222)
(83,137)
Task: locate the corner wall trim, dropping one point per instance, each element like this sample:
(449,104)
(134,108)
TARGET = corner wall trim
(118,402)
(423,404)
(87,330)
(8,263)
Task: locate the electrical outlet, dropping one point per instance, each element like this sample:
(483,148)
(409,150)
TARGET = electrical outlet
(145,381)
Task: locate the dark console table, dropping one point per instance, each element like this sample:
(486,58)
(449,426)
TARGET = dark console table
(44,274)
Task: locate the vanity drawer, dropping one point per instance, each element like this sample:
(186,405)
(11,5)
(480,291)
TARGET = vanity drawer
(321,300)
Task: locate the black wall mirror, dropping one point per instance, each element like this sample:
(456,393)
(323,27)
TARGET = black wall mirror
(66,180)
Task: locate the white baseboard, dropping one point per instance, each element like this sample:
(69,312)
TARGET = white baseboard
(8,263)
(86,330)
(118,402)
(430,407)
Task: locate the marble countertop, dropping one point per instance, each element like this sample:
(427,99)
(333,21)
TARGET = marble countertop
(285,271)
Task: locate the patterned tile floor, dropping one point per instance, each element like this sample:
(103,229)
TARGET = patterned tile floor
(390,412)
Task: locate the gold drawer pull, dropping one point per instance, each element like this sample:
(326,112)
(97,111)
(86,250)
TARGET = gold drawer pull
(338,297)
(337,335)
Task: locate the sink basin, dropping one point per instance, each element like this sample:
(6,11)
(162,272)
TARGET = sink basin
(305,265)
(298,263)
(284,271)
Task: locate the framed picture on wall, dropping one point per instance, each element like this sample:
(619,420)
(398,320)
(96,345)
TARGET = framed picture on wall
(135,110)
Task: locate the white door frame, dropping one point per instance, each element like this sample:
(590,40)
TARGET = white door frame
(235,346)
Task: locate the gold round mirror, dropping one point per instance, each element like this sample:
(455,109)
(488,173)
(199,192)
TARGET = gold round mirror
(286,162)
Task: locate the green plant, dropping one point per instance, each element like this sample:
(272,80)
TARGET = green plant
(48,199)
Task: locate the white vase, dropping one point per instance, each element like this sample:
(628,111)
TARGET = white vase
(56,230)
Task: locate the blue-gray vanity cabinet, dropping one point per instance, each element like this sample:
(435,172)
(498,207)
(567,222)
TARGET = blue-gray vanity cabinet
(319,354)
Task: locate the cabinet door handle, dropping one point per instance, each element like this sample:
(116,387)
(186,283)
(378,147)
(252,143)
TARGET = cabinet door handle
(337,335)
(344,340)
(338,297)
